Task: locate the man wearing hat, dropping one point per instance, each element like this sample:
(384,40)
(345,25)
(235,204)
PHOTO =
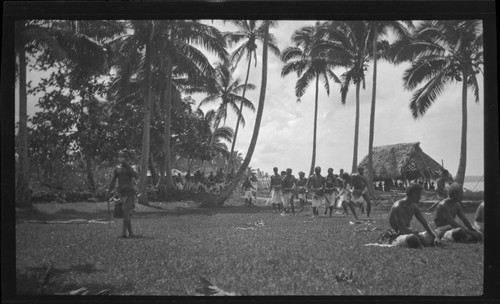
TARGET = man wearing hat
(127,179)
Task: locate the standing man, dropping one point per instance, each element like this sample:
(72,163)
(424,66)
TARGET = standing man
(219,180)
(444,179)
(127,180)
(247,187)
(301,189)
(316,183)
(288,183)
(255,184)
(360,187)
(276,186)
(198,179)
(330,191)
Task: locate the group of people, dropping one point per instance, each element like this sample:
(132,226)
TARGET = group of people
(344,190)
(445,226)
(199,183)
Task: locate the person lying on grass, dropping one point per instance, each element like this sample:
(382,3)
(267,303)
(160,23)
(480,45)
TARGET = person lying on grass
(446,212)
(479,218)
(288,184)
(247,187)
(127,179)
(402,213)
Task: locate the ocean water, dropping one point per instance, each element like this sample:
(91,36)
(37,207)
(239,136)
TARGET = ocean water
(474,186)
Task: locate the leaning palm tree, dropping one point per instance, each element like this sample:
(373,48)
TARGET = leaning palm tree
(309,67)
(241,171)
(380,29)
(348,42)
(250,31)
(442,52)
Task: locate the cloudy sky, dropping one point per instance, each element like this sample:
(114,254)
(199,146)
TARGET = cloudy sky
(285,138)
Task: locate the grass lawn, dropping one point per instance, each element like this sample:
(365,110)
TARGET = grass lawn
(288,255)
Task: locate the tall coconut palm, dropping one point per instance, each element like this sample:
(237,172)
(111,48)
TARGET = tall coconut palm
(224,88)
(241,171)
(309,67)
(442,52)
(348,42)
(380,29)
(250,31)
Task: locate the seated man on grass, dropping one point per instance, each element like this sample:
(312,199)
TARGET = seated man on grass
(446,212)
(402,213)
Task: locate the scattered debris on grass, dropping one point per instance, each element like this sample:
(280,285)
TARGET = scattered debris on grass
(365,229)
(344,276)
(209,289)
(75,221)
(252,226)
(380,245)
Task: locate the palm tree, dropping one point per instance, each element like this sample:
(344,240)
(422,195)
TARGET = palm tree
(223,87)
(57,41)
(249,31)
(309,66)
(442,52)
(241,171)
(348,43)
(380,29)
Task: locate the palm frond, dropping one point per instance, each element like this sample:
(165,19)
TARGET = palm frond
(304,81)
(424,97)
(424,68)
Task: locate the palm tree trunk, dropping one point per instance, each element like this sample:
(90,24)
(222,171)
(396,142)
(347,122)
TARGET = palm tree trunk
(459,178)
(241,111)
(313,161)
(143,197)
(356,131)
(23,195)
(234,183)
(169,182)
(372,112)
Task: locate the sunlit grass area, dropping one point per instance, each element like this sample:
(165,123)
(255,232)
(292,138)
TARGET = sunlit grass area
(247,250)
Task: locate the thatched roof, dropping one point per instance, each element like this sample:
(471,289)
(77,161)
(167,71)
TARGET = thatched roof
(402,160)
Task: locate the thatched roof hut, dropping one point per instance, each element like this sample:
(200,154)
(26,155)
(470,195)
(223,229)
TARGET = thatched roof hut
(402,161)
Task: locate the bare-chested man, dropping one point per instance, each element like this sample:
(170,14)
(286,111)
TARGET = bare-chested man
(127,179)
(446,212)
(289,183)
(247,187)
(301,189)
(276,194)
(360,187)
(316,184)
(400,217)
(330,191)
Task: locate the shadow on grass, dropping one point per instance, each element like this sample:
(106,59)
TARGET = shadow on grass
(63,214)
(37,281)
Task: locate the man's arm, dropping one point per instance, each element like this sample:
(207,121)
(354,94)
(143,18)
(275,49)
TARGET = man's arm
(423,221)
(461,215)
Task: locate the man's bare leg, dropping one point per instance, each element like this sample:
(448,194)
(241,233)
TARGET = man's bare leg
(353,210)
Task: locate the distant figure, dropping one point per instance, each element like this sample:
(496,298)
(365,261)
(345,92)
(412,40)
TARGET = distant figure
(127,181)
(431,186)
(219,181)
(301,189)
(276,193)
(255,184)
(198,181)
(360,185)
(316,183)
(446,212)
(211,183)
(189,181)
(247,187)
(178,181)
(441,191)
(330,191)
(479,218)
(288,183)
(400,217)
